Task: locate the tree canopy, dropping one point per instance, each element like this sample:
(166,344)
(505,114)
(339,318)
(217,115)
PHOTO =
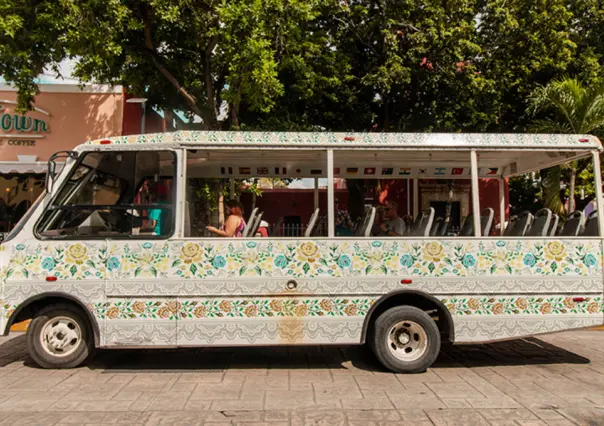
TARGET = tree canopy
(385,65)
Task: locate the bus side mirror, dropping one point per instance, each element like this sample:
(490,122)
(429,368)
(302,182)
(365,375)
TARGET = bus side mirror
(52,166)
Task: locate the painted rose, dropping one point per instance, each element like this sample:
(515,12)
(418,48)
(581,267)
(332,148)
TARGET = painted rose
(200,312)
(138,307)
(529,260)
(113,313)
(113,263)
(251,311)
(498,309)
(164,313)
(219,262)
(48,264)
(76,253)
(280,261)
(344,261)
(301,310)
(433,251)
(308,250)
(174,307)
(593,308)
(474,304)
(569,303)
(468,261)
(521,303)
(406,261)
(276,305)
(351,310)
(555,250)
(546,308)
(590,260)
(451,307)
(190,253)
(326,305)
(225,306)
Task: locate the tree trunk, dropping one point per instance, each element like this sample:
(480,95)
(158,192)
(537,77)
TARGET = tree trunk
(571,190)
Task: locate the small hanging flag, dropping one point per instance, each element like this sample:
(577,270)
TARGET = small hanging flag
(404,171)
(387,171)
(457,171)
(244,170)
(352,170)
(440,170)
(492,171)
(369,171)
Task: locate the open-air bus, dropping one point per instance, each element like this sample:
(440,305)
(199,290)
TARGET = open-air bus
(85,268)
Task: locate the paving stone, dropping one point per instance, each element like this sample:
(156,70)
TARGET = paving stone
(367,404)
(330,391)
(373,415)
(173,418)
(456,417)
(318,417)
(454,390)
(169,401)
(507,414)
(584,415)
(276,400)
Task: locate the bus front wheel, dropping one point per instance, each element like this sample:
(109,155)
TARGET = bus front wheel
(59,337)
(406,339)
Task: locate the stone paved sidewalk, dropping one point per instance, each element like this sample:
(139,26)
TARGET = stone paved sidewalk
(554,380)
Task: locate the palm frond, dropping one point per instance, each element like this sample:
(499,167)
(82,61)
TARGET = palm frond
(550,181)
(548,125)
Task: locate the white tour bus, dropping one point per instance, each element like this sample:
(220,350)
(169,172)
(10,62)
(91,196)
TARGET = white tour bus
(116,252)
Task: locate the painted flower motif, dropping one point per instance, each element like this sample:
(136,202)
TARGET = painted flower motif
(500,243)
(434,251)
(351,310)
(590,260)
(451,307)
(308,250)
(468,261)
(251,311)
(200,312)
(225,306)
(48,264)
(113,263)
(20,247)
(593,308)
(191,252)
(546,308)
(498,308)
(521,303)
(529,260)
(406,261)
(276,305)
(474,304)
(569,302)
(9,313)
(344,261)
(76,253)
(174,307)
(251,244)
(147,245)
(555,250)
(301,310)
(113,312)
(138,307)
(164,312)
(280,261)
(326,305)
(219,262)
(376,244)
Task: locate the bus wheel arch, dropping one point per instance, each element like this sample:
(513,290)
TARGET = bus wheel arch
(415,298)
(29,308)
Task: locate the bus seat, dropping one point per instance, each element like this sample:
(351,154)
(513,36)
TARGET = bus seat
(249,223)
(436,226)
(573,224)
(276,229)
(522,224)
(553,225)
(363,229)
(444,228)
(311,223)
(486,223)
(591,225)
(540,225)
(423,223)
(256,225)
(510,227)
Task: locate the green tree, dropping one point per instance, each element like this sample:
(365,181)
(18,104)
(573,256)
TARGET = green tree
(566,106)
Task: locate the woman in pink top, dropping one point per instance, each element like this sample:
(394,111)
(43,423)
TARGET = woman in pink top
(234,224)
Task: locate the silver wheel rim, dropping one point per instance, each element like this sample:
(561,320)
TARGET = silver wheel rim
(407,341)
(60,336)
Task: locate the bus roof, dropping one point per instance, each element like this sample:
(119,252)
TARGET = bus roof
(490,141)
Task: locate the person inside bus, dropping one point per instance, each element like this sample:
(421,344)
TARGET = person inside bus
(158,217)
(234,225)
(343,221)
(394,225)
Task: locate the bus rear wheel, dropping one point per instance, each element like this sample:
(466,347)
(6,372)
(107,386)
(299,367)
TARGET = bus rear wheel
(59,337)
(405,340)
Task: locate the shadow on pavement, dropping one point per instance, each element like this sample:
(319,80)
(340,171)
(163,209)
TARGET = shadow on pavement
(530,351)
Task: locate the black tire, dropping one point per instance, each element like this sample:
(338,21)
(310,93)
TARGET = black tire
(74,320)
(408,318)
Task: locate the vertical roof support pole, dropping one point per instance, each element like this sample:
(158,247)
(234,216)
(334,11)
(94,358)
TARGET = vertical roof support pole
(475,197)
(598,182)
(330,196)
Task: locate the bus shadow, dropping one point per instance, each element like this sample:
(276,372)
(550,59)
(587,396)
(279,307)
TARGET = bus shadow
(530,351)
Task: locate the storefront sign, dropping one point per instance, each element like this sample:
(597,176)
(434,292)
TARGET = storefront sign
(21,130)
